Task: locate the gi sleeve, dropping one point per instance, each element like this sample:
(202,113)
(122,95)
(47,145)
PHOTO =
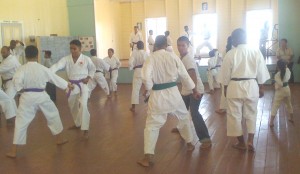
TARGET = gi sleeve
(147,74)
(61,64)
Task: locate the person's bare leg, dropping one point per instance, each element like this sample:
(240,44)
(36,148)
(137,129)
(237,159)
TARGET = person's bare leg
(116,92)
(175,130)
(146,161)
(60,140)
(291,118)
(250,142)
(190,146)
(86,134)
(11,121)
(240,144)
(132,109)
(272,121)
(13,152)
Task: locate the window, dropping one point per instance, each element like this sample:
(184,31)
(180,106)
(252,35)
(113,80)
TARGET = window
(258,24)
(10,30)
(204,35)
(158,25)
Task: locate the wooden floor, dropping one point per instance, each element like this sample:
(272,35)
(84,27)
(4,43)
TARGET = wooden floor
(116,142)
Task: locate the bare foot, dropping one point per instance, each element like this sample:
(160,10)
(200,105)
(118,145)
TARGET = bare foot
(175,130)
(205,145)
(221,111)
(146,161)
(73,127)
(132,109)
(239,146)
(190,147)
(64,141)
(13,152)
(86,134)
(116,93)
(251,147)
(291,118)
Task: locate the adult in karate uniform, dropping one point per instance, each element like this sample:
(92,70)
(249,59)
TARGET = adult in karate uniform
(101,68)
(150,41)
(160,73)
(31,79)
(169,42)
(243,74)
(17,49)
(135,36)
(112,74)
(80,69)
(8,67)
(136,62)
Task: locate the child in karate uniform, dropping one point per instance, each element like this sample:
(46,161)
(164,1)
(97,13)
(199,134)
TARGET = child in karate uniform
(214,65)
(31,80)
(113,72)
(136,63)
(282,91)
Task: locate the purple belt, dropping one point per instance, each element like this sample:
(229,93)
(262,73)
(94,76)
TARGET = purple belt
(33,90)
(138,66)
(76,82)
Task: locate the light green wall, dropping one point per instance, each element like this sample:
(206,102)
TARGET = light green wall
(81,18)
(289,27)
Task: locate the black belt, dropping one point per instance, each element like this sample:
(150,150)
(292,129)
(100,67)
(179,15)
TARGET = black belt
(215,67)
(99,71)
(242,79)
(138,66)
(133,43)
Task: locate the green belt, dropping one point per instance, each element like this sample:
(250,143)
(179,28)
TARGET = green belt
(163,86)
(285,84)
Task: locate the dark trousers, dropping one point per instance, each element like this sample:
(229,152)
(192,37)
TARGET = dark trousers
(51,90)
(199,124)
(290,67)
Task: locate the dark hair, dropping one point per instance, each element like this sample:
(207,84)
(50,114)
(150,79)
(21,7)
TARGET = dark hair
(6,47)
(76,42)
(112,50)
(285,40)
(184,39)
(212,53)
(239,36)
(31,52)
(160,42)
(281,65)
(167,33)
(229,44)
(150,31)
(93,52)
(48,52)
(140,45)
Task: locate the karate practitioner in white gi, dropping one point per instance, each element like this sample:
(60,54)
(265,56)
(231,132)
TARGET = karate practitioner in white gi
(112,74)
(8,67)
(282,91)
(169,42)
(101,68)
(214,64)
(136,62)
(7,105)
(17,49)
(80,69)
(244,72)
(31,79)
(135,36)
(150,41)
(160,73)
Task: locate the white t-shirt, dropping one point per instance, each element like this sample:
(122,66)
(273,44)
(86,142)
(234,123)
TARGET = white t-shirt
(189,63)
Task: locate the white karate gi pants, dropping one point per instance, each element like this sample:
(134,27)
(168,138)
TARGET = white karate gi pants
(212,81)
(136,87)
(113,81)
(239,108)
(11,93)
(101,81)
(7,105)
(223,104)
(30,103)
(79,109)
(155,122)
(282,95)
